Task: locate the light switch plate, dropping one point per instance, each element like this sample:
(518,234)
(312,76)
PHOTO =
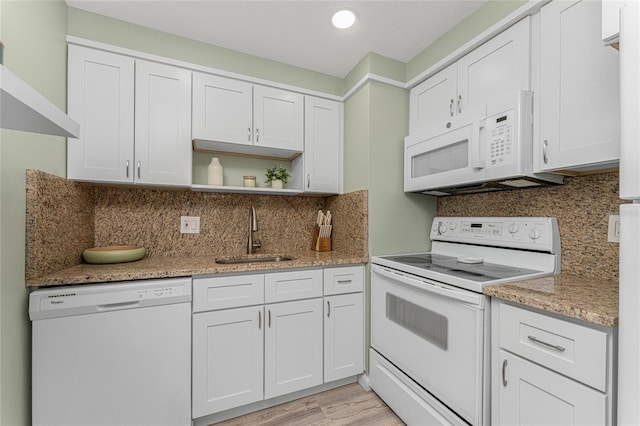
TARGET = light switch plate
(189,224)
(614,228)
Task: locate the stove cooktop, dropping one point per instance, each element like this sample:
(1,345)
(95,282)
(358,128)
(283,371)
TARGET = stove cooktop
(474,269)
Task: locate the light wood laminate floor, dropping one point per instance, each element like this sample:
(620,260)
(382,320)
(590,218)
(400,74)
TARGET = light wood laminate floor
(346,405)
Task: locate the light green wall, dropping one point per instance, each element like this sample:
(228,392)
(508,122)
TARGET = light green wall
(487,15)
(398,222)
(356,141)
(119,33)
(375,64)
(34,33)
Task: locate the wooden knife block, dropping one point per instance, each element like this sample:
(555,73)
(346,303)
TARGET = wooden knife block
(320,244)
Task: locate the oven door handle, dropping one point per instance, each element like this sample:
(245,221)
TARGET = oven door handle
(465,296)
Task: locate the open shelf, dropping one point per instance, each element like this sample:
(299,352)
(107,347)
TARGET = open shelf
(244,190)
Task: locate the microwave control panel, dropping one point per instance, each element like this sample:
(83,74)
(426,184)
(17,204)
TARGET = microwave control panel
(500,134)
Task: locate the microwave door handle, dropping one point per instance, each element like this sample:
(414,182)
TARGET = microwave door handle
(459,295)
(477,146)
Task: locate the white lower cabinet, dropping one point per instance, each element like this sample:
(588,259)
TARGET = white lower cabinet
(550,371)
(227,359)
(293,347)
(343,336)
(261,336)
(533,395)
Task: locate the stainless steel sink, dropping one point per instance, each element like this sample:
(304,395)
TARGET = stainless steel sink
(257,259)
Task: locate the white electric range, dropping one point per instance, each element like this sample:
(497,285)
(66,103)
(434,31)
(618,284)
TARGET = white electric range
(430,322)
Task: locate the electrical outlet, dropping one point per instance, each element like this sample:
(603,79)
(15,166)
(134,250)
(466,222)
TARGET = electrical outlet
(614,228)
(189,224)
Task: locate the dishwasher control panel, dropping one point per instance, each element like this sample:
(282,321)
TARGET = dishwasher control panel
(95,298)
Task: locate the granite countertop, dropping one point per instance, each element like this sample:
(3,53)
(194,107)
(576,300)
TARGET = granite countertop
(169,267)
(589,299)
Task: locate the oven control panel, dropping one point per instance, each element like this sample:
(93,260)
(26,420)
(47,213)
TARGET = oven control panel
(533,233)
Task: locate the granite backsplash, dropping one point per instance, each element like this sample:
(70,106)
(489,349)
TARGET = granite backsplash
(64,218)
(582,206)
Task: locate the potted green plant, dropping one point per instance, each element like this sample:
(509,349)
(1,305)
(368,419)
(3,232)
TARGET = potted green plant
(278,176)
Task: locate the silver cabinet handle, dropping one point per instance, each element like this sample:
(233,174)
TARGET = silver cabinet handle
(127,169)
(259,320)
(504,378)
(308,181)
(451,108)
(328,309)
(138,170)
(534,339)
(257,135)
(249,134)
(459,104)
(269,318)
(344,281)
(545,145)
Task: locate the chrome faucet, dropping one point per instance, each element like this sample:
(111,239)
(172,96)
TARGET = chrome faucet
(253,227)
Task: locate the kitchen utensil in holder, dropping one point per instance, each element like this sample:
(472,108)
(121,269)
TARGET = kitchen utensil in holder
(318,243)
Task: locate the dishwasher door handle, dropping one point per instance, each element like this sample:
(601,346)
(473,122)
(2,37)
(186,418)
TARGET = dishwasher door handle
(118,306)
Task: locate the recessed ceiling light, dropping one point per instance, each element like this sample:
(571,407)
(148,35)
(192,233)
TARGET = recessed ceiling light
(343,19)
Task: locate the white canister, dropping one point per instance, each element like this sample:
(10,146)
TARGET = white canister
(214,172)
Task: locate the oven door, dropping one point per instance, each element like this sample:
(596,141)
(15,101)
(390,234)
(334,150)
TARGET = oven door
(436,159)
(434,334)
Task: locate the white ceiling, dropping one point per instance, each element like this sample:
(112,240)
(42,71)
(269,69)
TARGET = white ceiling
(297,32)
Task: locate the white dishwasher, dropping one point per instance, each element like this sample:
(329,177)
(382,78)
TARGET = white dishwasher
(112,354)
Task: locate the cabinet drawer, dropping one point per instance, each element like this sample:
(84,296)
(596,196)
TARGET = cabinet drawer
(293,285)
(571,349)
(227,292)
(349,279)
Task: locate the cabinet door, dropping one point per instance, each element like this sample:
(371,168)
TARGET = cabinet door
(611,19)
(498,67)
(322,145)
(163,124)
(578,102)
(293,347)
(101,100)
(278,117)
(533,395)
(433,102)
(222,109)
(227,359)
(343,336)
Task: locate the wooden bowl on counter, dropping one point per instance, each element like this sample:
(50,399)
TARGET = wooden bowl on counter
(113,254)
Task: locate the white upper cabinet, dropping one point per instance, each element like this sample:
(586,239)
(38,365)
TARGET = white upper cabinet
(163,124)
(234,116)
(101,99)
(135,119)
(322,145)
(278,119)
(499,66)
(222,109)
(433,101)
(576,85)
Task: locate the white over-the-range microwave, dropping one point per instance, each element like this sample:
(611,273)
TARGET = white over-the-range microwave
(486,149)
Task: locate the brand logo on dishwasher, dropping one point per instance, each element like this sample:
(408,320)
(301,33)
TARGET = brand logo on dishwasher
(58,299)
